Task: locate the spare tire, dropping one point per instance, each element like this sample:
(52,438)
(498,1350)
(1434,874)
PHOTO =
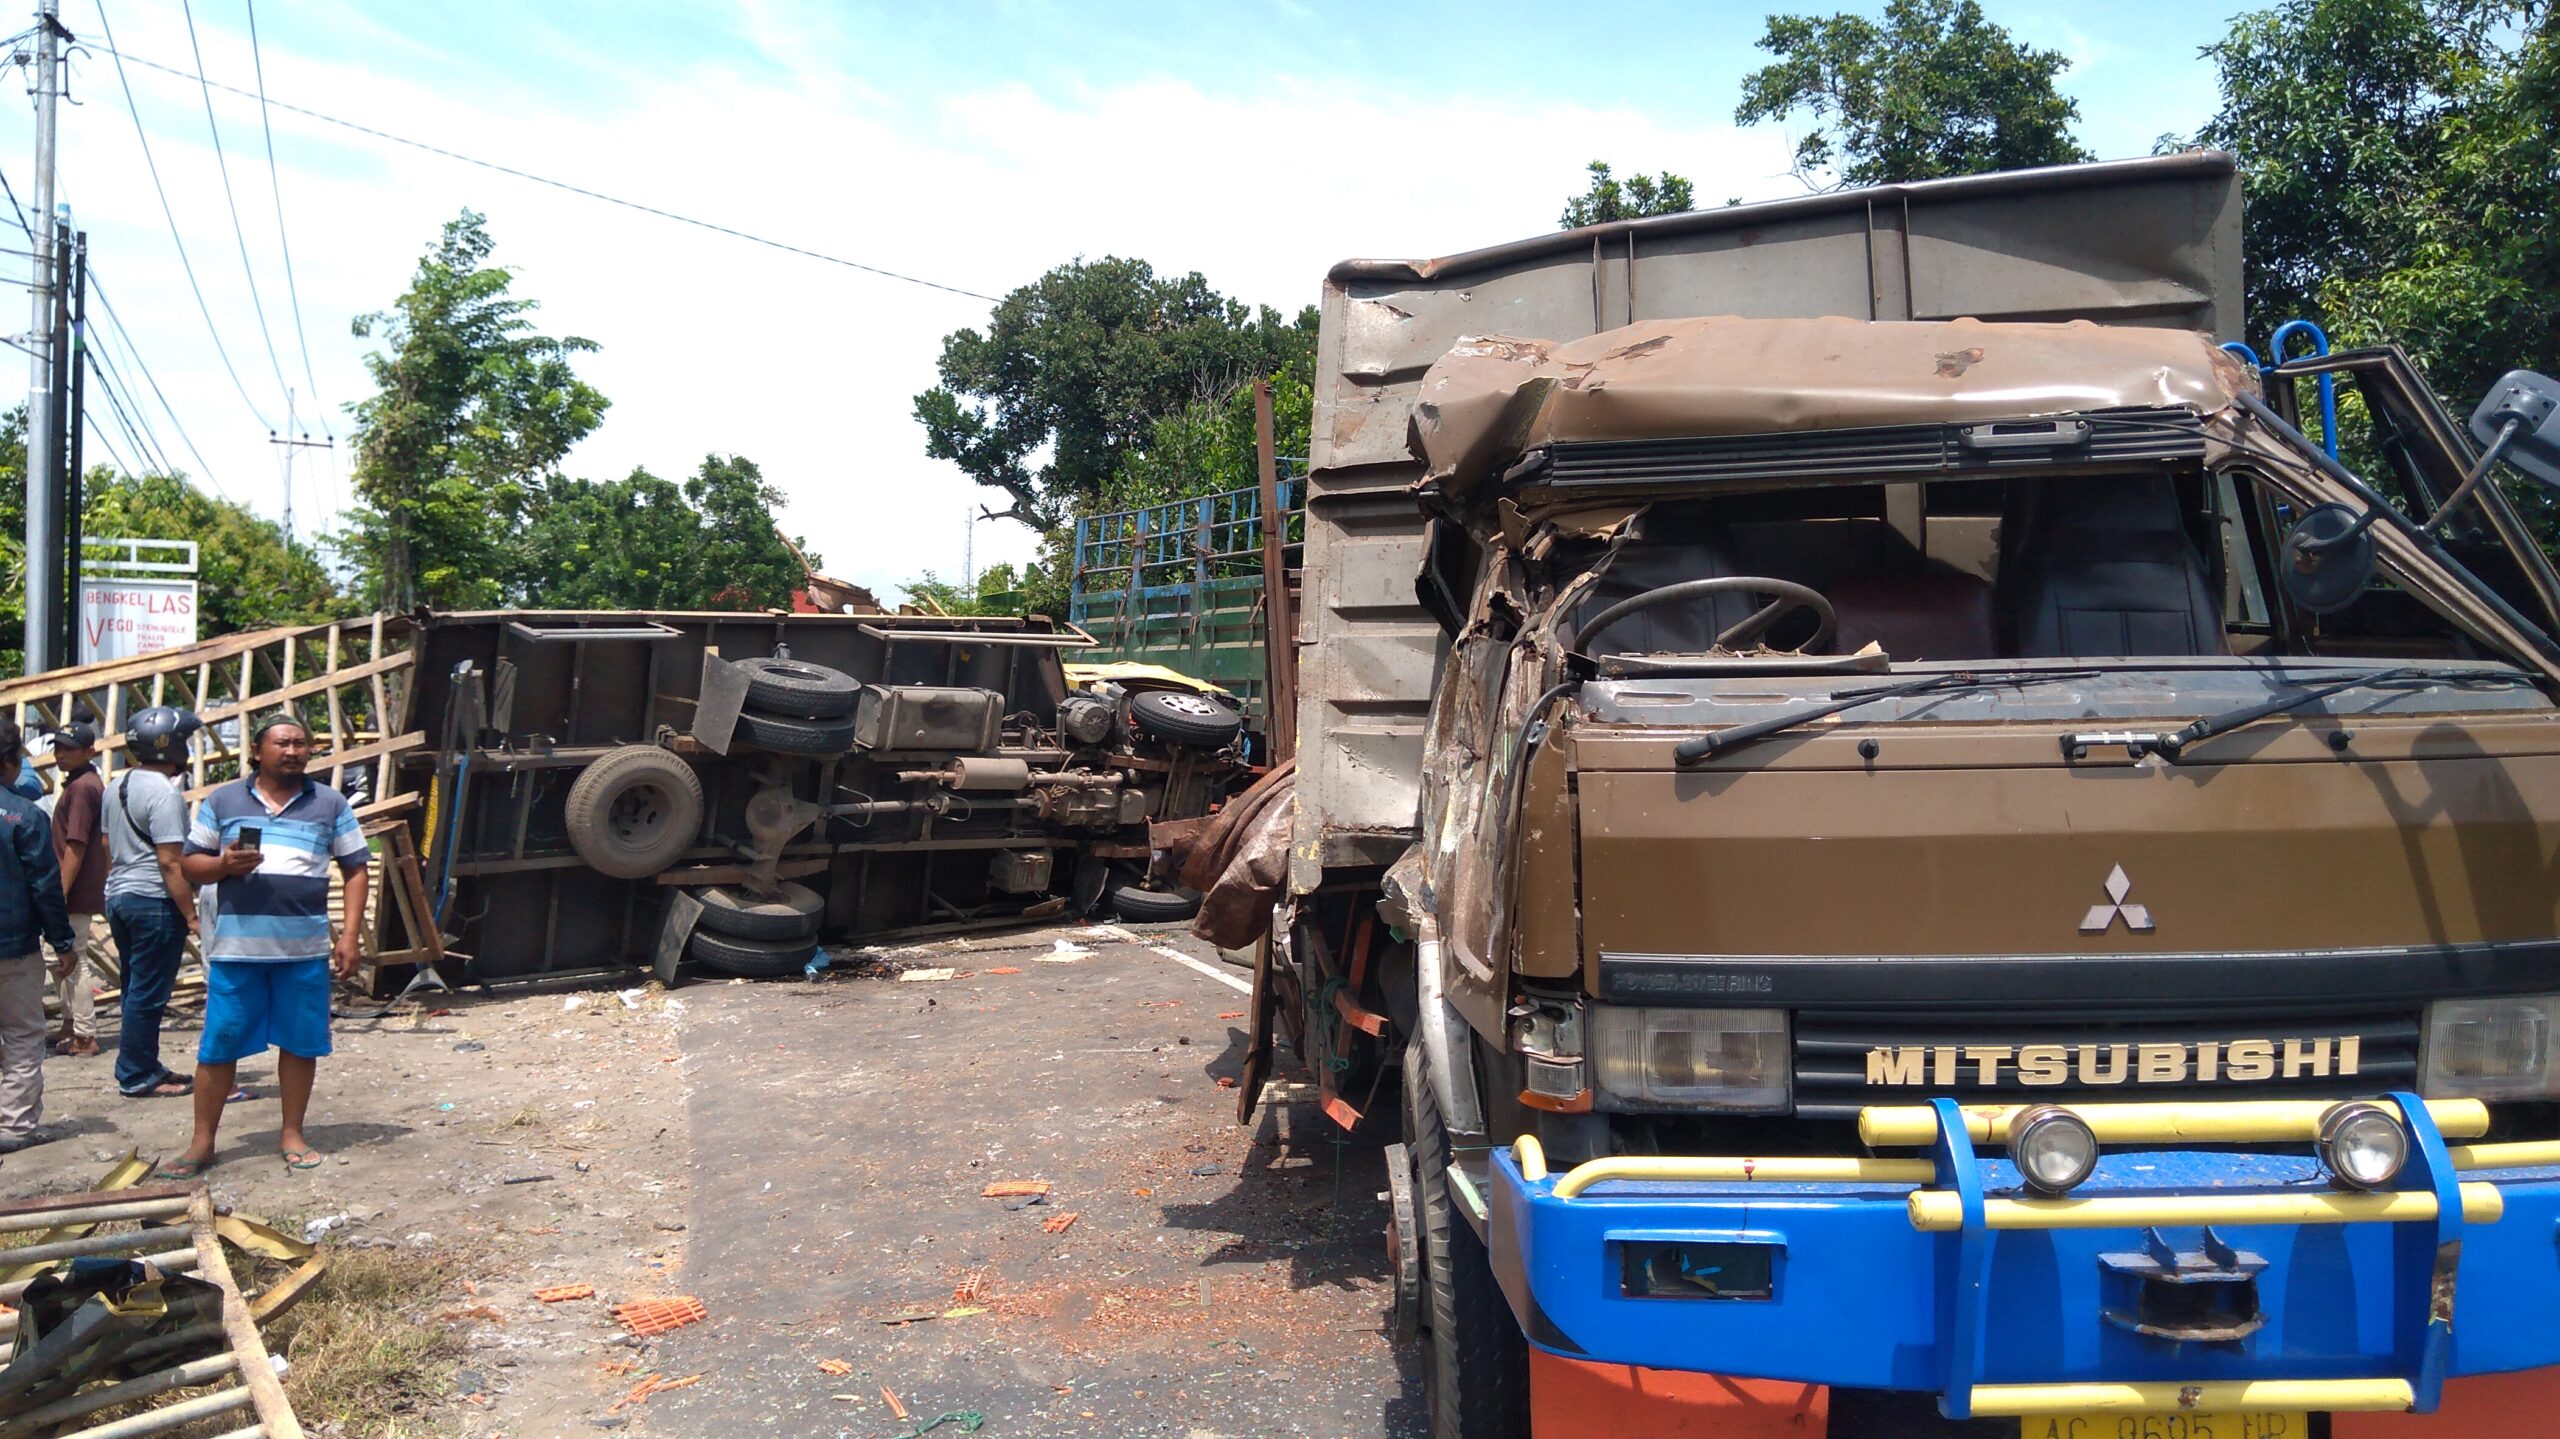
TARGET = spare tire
(1181,717)
(751,958)
(792,913)
(633,812)
(784,735)
(799,690)
(1153,906)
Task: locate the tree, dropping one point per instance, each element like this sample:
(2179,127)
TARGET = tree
(1081,364)
(2396,155)
(998,591)
(643,543)
(1633,198)
(472,414)
(1937,90)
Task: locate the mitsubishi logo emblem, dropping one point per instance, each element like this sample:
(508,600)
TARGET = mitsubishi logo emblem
(2102,917)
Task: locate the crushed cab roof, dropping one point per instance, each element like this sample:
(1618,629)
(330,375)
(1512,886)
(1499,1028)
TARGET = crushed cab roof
(1492,399)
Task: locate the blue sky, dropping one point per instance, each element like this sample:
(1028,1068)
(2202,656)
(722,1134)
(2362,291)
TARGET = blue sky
(973,144)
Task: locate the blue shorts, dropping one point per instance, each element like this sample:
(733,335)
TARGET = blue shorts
(250,1004)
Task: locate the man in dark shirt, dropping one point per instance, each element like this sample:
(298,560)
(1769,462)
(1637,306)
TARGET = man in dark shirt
(78,845)
(30,911)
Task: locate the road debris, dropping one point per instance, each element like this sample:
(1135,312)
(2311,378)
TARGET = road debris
(914,976)
(648,1318)
(1060,1224)
(836,1367)
(1015,1189)
(562,1293)
(1005,969)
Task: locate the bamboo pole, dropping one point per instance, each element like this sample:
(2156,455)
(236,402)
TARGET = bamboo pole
(275,1412)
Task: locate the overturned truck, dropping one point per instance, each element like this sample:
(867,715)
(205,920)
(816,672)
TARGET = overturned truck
(611,788)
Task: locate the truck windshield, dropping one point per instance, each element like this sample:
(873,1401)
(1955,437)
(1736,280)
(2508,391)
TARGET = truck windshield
(2021,566)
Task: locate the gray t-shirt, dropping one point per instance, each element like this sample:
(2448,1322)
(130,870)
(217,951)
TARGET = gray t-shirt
(156,810)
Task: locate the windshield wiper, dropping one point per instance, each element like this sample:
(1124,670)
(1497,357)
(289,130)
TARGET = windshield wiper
(2173,745)
(1705,746)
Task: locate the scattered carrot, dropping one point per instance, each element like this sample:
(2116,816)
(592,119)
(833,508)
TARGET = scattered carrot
(834,1366)
(562,1293)
(1015,1189)
(650,1317)
(476,1311)
(1061,1223)
(1226,1081)
(889,1397)
(1232,1014)
(1006,969)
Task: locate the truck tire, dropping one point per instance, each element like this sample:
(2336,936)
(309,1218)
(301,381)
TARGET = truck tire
(1152,906)
(631,813)
(799,690)
(1183,718)
(1475,1363)
(792,913)
(785,735)
(751,958)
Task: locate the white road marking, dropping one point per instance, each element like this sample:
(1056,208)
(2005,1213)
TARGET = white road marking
(1211,970)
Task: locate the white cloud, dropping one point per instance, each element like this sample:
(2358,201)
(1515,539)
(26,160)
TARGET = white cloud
(711,344)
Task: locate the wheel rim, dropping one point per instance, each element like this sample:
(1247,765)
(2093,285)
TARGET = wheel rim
(638,816)
(1195,706)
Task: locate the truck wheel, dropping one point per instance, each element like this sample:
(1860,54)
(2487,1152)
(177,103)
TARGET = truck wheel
(784,735)
(1181,717)
(1475,1363)
(631,813)
(1152,906)
(798,689)
(792,913)
(751,958)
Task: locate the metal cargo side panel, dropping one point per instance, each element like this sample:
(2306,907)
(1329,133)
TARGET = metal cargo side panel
(2153,242)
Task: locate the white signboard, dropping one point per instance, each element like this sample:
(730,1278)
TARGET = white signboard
(124,616)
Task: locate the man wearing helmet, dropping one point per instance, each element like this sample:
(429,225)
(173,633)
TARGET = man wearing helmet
(150,906)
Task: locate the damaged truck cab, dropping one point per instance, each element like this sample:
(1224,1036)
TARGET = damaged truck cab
(1962,872)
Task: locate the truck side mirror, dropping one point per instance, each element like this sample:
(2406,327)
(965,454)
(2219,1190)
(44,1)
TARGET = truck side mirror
(2530,404)
(2328,558)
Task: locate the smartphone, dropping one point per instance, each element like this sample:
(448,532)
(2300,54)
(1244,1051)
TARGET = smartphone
(250,836)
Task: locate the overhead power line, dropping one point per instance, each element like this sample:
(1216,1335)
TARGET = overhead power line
(107,307)
(222,167)
(275,184)
(153,166)
(700,224)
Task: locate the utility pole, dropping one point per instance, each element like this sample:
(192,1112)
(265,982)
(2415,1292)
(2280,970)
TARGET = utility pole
(74,476)
(44,421)
(969,551)
(291,442)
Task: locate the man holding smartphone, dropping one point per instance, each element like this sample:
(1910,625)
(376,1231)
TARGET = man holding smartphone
(261,849)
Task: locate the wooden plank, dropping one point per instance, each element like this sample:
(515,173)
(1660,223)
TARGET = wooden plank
(257,1371)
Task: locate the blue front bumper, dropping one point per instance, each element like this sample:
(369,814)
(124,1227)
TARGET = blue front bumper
(1861,1298)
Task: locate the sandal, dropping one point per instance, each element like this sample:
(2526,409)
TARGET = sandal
(172,1087)
(300,1158)
(181,1170)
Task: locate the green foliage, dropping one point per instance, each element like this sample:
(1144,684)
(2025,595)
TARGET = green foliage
(1084,363)
(1936,90)
(643,543)
(247,576)
(472,414)
(999,591)
(1633,198)
(2397,162)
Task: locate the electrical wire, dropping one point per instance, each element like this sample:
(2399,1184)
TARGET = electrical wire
(108,308)
(222,167)
(716,228)
(15,209)
(153,166)
(98,437)
(275,184)
(128,410)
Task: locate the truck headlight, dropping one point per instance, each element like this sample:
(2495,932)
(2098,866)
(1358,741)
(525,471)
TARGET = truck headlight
(1729,1059)
(2492,1048)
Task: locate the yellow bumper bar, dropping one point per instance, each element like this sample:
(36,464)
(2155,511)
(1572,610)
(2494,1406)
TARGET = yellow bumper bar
(2259,1121)
(1940,1211)
(2004,1400)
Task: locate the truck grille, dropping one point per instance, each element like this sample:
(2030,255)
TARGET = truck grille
(1845,1061)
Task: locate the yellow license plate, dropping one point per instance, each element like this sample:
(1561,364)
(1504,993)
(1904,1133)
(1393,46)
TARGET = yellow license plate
(2242,1424)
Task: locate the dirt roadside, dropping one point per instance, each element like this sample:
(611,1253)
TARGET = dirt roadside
(807,1157)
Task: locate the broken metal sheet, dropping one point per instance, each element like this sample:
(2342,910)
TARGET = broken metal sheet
(1492,399)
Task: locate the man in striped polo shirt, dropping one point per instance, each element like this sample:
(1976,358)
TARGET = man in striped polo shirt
(260,851)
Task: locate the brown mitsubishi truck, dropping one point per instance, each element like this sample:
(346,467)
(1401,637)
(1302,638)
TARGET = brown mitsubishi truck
(1912,855)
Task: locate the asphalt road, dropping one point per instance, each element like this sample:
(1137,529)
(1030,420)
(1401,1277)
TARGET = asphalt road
(1215,1280)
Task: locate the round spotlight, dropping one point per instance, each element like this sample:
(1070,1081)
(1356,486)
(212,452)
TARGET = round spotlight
(2363,1144)
(2053,1148)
